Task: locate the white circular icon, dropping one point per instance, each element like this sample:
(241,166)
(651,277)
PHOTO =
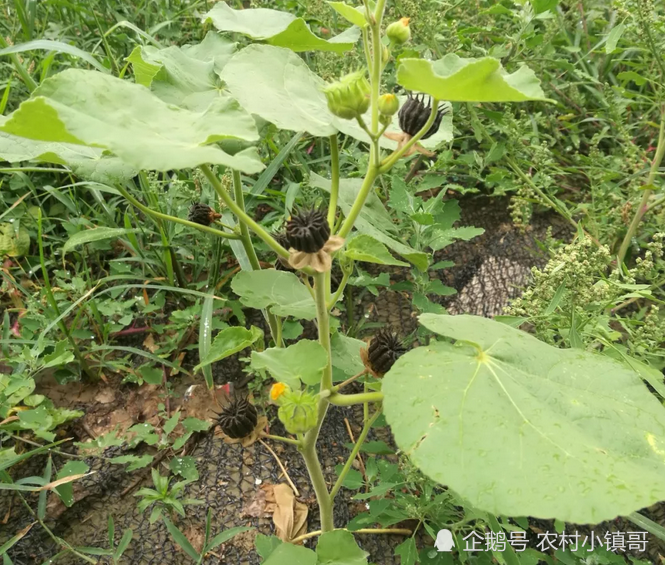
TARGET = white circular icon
(444,541)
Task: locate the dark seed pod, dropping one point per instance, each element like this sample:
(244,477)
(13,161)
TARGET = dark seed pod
(238,419)
(202,214)
(413,115)
(308,231)
(384,349)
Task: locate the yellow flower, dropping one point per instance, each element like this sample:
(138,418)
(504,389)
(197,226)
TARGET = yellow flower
(277,390)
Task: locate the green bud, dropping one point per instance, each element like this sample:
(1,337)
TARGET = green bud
(349,97)
(399,32)
(299,411)
(388,104)
(385,55)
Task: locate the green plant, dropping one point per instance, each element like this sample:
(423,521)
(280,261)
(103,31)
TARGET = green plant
(164,497)
(547,426)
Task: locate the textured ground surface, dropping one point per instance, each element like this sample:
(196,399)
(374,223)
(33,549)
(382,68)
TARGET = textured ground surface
(489,271)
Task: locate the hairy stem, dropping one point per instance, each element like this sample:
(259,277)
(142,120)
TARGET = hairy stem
(352,399)
(647,190)
(241,214)
(246,239)
(390,161)
(308,448)
(334,182)
(354,454)
(394,531)
(161,216)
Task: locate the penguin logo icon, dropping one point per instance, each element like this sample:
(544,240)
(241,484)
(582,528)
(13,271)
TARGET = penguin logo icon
(444,541)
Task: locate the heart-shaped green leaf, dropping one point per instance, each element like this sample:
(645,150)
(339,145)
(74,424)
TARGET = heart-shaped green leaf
(303,361)
(277,85)
(280,291)
(521,428)
(288,554)
(229,342)
(365,248)
(278,28)
(469,80)
(91,108)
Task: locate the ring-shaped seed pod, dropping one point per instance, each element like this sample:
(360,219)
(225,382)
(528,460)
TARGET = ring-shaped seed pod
(238,419)
(413,115)
(308,231)
(384,349)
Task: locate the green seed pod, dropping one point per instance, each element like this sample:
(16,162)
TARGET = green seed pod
(299,411)
(399,32)
(349,97)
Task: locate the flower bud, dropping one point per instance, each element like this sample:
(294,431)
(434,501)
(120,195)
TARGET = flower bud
(399,32)
(385,55)
(299,411)
(388,104)
(348,98)
(278,391)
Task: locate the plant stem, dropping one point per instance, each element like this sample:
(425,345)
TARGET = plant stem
(323,321)
(241,214)
(54,304)
(340,290)
(318,483)
(161,216)
(308,448)
(647,190)
(295,442)
(354,454)
(334,183)
(246,240)
(397,531)
(390,161)
(352,399)
(348,381)
(370,177)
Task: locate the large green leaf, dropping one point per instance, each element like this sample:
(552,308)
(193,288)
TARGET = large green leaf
(277,85)
(340,548)
(280,291)
(91,108)
(518,427)
(278,28)
(373,219)
(304,361)
(58,47)
(186,76)
(288,554)
(87,162)
(469,80)
(229,342)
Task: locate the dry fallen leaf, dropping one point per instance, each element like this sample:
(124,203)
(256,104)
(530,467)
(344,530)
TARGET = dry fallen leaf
(288,515)
(149,343)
